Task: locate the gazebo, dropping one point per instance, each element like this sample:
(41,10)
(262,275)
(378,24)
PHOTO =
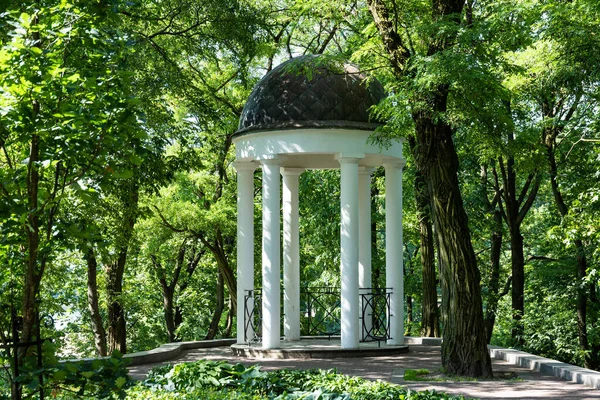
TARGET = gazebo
(312,113)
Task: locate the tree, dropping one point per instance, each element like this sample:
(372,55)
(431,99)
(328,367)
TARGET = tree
(565,100)
(464,351)
(186,262)
(514,207)
(65,104)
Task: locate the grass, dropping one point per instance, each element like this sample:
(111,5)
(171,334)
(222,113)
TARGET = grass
(424,375)
(416,375)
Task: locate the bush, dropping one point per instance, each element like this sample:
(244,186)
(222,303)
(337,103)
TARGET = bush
(97,379)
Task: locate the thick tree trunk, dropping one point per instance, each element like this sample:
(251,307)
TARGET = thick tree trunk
(92,295)
(219,306)
(464,350)
(494,284)
(430,324)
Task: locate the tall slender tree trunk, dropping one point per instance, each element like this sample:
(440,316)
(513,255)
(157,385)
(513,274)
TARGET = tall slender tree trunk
(117,333)
(516,207)
(375,264)
(34,270)
(168,290)
(169,311)
(116,313)
(430,324)
(494,284)
(516,251)
(518,284)
(219,306)
(92,295)
(225,270)
(229,323)
(591,359)
(409,315)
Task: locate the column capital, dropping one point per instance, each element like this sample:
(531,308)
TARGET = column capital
(364,170)
(244,165)
(273,160)
(285,171)
(397,163)
(350,158)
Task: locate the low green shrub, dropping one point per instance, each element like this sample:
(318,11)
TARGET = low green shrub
(220,380)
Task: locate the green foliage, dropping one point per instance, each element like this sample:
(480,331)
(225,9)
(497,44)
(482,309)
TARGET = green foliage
(100,378)
(319,212)
(218,379)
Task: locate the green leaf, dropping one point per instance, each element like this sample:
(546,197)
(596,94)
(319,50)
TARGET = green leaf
(87,374)
(120,382)
(123,174)
(59,375)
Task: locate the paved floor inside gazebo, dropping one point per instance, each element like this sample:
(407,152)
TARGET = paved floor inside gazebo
(317,347)
(529,385)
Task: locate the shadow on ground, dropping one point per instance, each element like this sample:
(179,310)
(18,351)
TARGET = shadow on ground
(531,385)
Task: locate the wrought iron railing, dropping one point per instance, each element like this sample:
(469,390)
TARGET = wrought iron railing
(375,314)
(253,316)
(320,313)
(321,309)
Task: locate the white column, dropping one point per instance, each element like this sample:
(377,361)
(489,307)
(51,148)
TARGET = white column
(394,262)
(291,254)
(364,241)
(349,249)
(271,241)
(245,244)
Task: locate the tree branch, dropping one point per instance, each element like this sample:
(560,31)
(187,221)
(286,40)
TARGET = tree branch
(539,258)
(390,37)
(506,288)
(524,189)
(527,205)
(166,223)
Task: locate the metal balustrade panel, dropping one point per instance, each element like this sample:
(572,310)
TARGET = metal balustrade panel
(375,314)
(320,313)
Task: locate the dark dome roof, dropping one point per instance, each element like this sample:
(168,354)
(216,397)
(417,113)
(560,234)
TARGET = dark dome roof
(311,92)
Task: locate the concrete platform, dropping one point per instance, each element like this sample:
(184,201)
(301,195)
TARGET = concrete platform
(307,348)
